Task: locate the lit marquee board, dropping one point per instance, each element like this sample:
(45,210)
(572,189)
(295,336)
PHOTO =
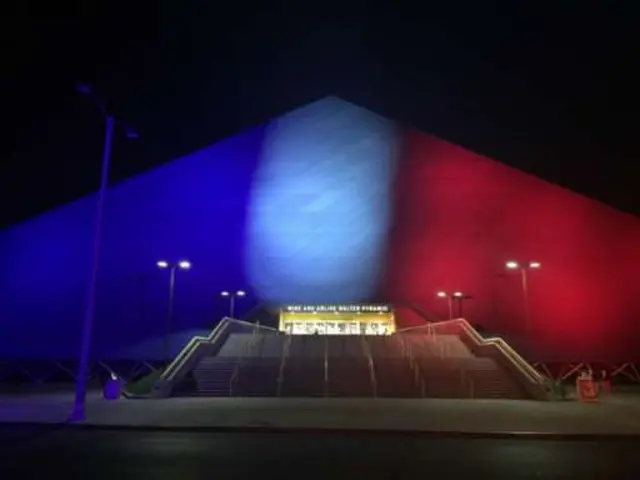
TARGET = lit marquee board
(335,319)
(363,308)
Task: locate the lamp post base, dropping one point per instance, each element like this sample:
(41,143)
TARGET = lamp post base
(78,414)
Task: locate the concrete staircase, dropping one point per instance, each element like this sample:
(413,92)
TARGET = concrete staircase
(213,376)
(449,369)
(405,365)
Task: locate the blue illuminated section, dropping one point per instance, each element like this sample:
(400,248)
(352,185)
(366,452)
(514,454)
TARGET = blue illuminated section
(193,207)
(320,206)
(298,209)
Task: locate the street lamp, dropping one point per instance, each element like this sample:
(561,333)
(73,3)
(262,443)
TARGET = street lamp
(173,268)
(442,294)
(460,298)
(457,296)
(524,268)
(232,299)
(79,403)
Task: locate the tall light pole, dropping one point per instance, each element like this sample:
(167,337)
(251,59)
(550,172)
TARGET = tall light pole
(232,299)
(173,268)
(79,404)
(449,298)
(460,298)
(524,269)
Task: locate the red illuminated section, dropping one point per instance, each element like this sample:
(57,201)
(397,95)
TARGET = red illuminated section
(459,217)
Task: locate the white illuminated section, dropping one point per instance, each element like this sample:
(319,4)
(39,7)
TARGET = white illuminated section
(184,264)
(241,293)
(162,264)
(458,294)
(534,265)
(320,208)
(512,265)
(442,294)
(224,293)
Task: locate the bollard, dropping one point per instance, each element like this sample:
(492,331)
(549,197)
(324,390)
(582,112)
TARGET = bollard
(112,388)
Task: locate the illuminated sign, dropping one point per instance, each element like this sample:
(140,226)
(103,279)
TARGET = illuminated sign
(365,308)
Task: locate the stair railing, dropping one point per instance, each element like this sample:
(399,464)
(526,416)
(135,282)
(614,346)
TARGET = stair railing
(403,345)
(413,366)
(372,371)
(246,349)
(508,352)
(515,358)
(325,387)
(283,361)
(189,349)
(255,339)
(463,379)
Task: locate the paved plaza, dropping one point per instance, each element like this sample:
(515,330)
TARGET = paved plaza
(619,414)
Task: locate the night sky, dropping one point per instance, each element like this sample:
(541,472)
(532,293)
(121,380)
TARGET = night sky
(550,91)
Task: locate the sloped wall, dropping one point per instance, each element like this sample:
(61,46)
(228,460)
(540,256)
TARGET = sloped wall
(295,210)
(456,218)
(320,206)
(460,216)
(193,208)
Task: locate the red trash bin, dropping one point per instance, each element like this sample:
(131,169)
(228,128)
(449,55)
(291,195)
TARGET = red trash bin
(587,390)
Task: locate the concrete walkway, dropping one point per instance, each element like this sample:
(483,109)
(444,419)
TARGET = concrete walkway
(617,415)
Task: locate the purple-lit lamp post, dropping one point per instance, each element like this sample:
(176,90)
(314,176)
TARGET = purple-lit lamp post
(524,269)
(173,268)
(79,403)
(232,299)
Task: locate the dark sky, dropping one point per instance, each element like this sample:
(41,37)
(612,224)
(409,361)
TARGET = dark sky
(549,90)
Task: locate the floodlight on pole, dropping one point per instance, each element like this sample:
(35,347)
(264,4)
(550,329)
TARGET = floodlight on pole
(83,89)
(131,133)
(232,299)
(524,268)
(460,297)
(79,404)
(443,294)
(173,267)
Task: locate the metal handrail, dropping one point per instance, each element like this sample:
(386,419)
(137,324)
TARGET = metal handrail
(326,367)
(188,350)
(283,361)
(413,364)
(246,349)
(372,371)
(403,345)
(251,324)
(514,357)
(509,352)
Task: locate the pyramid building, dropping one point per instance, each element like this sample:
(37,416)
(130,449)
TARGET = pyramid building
(329,203)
